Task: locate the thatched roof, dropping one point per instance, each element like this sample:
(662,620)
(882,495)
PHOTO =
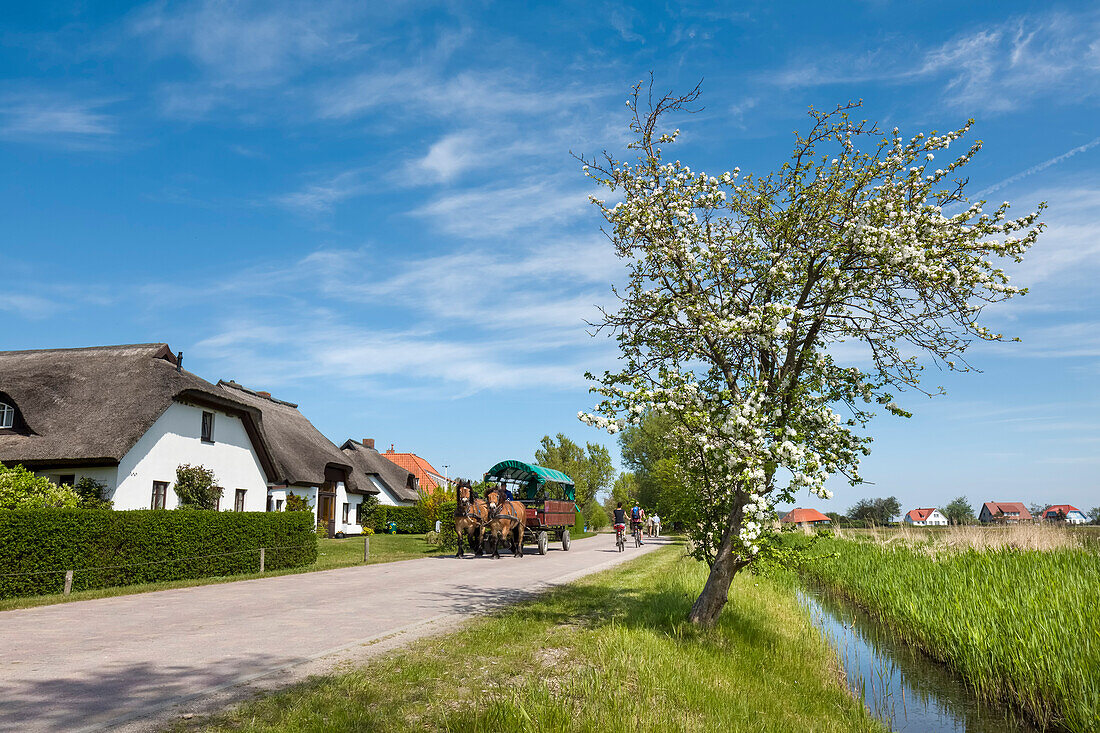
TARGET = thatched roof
(299,450)
(90,406)
(369,462)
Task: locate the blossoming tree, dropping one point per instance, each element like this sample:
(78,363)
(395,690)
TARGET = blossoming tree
(741,286)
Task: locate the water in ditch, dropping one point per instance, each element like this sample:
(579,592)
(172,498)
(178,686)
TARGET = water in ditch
(900,685)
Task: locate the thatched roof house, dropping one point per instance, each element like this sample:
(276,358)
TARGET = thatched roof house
(127,416)
(306,462)
(395,485)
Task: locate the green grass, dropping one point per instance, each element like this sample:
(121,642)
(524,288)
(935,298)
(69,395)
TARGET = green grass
(331,554)
(611,652)
(1021,626)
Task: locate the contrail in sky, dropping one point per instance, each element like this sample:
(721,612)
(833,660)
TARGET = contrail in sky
(1041,166)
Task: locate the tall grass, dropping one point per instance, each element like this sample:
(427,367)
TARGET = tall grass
(1019,625)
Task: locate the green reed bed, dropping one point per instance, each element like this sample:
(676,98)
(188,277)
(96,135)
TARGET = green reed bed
(1018,625)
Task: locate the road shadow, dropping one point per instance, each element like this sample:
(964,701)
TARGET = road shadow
(70,702)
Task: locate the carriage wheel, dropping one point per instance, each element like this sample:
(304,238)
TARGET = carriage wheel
(544,542)
(565,540)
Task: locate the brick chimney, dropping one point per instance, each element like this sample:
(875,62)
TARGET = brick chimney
(368,442)
(391,448)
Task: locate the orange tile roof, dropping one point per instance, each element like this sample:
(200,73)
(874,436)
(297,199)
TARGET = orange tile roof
(804,516)
(1055,508)
(417,466)
(920,515)
(1008,508)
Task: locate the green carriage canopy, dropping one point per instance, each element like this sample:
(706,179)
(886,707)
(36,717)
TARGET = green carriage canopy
(533,478)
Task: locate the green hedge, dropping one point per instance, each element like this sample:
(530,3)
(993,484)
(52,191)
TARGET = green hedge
(114,548)
(407,519)
(448,538)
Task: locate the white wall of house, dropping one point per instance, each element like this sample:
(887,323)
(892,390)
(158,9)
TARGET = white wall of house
(310,494)
(1076,517)
(935,519)
(353,501)
(342,497)
(106,475)
(175,439)
(385,497)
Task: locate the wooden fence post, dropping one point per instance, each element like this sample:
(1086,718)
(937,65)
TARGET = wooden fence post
(68,582)
(366,548)
(261,559)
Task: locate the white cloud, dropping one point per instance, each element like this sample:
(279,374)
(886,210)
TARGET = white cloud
(494,211)
(996,68)
(248,44)
(321,197)
(448,324)
(1038,168)
(448,157)
(55,119)
(468,94)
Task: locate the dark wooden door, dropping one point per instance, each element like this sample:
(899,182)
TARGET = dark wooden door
(326,512)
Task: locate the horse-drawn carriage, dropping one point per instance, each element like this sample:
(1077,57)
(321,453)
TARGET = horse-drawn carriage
(548,496)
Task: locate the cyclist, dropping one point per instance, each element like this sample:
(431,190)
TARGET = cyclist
(637,518)
(620,520)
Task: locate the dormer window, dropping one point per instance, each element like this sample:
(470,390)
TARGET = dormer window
(7,415)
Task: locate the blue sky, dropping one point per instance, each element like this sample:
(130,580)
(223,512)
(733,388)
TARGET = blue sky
(371,208)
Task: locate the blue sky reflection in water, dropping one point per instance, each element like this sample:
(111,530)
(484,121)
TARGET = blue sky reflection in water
(370,208)
(900,685)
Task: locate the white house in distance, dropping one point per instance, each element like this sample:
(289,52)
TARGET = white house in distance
(128,416)
(306,463)
(925,518)
(1065,513)
(396,486)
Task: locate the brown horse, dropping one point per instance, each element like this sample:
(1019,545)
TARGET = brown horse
(471,516)
(506,518)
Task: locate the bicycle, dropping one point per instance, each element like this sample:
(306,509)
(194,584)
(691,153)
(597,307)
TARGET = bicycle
(620,541)
(637,535)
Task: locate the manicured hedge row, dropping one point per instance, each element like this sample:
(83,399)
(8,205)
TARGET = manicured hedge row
(114,548)
(407,519)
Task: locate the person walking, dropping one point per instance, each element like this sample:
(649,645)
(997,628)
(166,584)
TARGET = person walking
(656,519)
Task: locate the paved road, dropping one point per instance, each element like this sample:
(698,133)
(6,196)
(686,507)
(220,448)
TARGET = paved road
(96,664)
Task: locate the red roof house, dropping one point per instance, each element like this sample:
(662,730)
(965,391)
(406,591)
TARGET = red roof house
(1004,512)
(931,517)
(1064,513)
(425,472)
(805,516)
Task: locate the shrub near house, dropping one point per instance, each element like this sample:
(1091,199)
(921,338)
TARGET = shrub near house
(107,549)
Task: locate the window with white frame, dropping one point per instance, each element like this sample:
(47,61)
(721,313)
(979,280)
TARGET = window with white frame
(7,415)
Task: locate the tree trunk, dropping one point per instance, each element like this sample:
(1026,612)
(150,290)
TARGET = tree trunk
(705,610)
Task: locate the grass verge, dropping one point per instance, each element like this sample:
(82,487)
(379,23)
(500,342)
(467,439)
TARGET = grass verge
(610,652)
(1018,625)
(331,554)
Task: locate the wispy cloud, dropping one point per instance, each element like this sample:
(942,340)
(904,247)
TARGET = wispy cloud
(996,68)
(468,320)
(1039,167)
(494,211)
(466,95)
(57,119)
(321,197)
(29,306)
(248,44)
